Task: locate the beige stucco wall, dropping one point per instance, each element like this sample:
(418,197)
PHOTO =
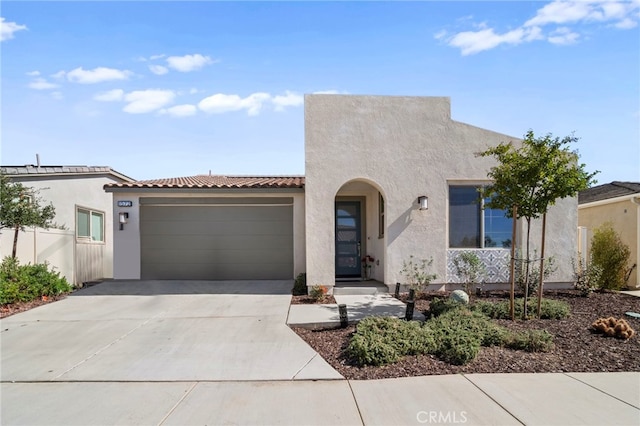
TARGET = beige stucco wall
(127,241)
(66,193)
(406,147)
(625,218)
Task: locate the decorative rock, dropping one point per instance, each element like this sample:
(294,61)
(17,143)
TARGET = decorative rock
(460,296)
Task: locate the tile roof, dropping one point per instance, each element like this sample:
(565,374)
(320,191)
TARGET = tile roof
(30,170)
(217,181)
(608,190)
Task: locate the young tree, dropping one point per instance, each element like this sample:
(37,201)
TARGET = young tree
(20,206)
(532,177)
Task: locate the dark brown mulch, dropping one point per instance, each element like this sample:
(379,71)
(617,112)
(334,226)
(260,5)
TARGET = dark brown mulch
(15,308)
(306,300)
(576,348)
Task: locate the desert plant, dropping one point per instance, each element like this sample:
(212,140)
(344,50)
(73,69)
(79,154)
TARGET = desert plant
(300,285)
(416,273)
(439,306)
(612,327)
(317,292)
(611,255)
(586,276)
(549,309)
(470,269)
(529,340)
(533,278)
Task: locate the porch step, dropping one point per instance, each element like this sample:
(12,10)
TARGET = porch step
(359,290)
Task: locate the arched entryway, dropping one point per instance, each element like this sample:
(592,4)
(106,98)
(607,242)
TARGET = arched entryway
(359,232)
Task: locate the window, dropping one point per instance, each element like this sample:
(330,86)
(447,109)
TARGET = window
(90,224)
(471,225)
(380,216)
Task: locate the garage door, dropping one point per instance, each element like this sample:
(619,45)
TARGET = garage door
(216,238)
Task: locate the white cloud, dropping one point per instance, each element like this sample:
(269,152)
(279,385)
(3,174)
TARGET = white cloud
(142,101)
(193,90)
(158,69)
(471,42)
(620,14)
(97,75)
(8,28)
(33,73)
(330,92)
(56,95)
(180,110)
(289,99)
(219,103)
(188,63)
(42,84)
(563,36)
(110,95)
(154,57)
(59,74)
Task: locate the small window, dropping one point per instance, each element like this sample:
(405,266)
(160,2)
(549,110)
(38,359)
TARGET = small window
(471,225)
(380,215)
(90,225)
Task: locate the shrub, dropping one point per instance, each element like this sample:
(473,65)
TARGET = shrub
(586,276)
(530,341)
(440,306)
(317,292)
(469,269)
(383,340)
(534,272)
(300,285)
(549,308)
(459,348)
(611,255)
(416,273)
(23,283)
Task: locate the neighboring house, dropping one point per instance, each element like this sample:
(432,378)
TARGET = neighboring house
(82,250)
(369,160)
(618,203)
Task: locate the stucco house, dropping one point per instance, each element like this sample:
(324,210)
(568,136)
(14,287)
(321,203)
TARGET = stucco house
(83,250)
(618,203)
(385,177)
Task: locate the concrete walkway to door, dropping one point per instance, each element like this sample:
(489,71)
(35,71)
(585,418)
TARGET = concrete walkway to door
(161,331)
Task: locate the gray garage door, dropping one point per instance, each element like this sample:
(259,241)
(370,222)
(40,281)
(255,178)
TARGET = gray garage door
(216,239)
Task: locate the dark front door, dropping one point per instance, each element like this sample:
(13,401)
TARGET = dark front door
(348,239)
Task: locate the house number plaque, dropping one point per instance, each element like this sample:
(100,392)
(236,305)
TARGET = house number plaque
(125,203)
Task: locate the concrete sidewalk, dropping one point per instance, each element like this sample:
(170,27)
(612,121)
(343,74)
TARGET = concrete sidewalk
(476,399)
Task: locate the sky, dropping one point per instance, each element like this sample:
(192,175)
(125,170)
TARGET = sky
(168,89)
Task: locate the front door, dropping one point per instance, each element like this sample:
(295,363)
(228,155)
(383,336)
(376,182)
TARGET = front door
(348,239)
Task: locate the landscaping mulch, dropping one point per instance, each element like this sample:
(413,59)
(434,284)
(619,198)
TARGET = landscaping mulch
(576,347)
(16,308)
(307,300)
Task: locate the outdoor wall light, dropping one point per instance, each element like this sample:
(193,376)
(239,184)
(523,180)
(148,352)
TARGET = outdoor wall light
(123,218)
(424,202)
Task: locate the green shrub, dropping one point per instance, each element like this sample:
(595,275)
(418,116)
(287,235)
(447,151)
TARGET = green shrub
(549,308)
(611,255)
(416,273)
(23,283)
(459,348)
(317,292)
(534,272)
(530,341)
(439,306)
(383,340)
(586,276)
(470,270)
(300,285)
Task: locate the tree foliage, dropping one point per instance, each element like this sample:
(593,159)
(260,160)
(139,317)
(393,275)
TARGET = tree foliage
(533,177)
(21,207)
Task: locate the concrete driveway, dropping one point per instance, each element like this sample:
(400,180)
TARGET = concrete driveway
(161,331)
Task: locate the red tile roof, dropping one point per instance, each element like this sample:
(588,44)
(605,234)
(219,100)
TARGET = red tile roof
(216,181)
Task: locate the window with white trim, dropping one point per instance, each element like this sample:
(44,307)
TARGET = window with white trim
(472,225)
(89,224)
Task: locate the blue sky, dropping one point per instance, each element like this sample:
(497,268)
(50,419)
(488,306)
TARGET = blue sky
(167,89)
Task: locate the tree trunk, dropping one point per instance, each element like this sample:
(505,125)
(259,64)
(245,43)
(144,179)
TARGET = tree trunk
(541,284)
(512,296)
(15,241)
(526,276)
